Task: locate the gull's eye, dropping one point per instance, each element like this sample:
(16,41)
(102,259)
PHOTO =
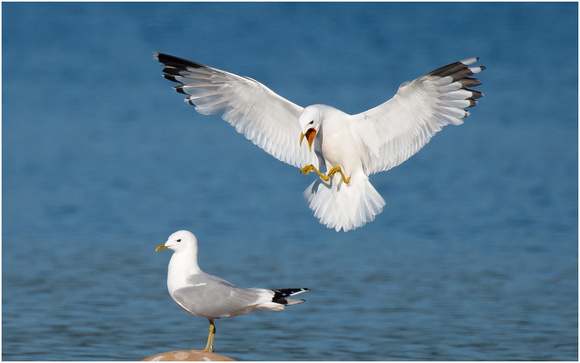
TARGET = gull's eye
(179,240)
(311,122)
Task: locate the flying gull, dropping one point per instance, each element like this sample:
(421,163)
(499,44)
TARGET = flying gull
(342,149)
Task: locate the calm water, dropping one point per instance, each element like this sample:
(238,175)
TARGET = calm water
(473,258)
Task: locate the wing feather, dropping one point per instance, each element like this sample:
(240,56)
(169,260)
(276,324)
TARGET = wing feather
(420,109)
(267,119)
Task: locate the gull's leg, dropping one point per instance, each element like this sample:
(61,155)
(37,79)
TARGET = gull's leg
(211,336)
(334,170)
(310,167)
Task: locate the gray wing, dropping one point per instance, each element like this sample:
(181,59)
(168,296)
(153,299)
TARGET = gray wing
(267,119)
(212,297)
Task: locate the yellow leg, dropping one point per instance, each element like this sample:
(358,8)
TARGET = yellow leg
(332,171)
(211,336)
(310,167)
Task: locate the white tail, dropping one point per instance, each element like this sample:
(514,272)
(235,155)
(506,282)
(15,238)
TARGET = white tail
(344,206)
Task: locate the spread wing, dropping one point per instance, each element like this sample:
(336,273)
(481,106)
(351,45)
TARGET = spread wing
(395,130)
(261,115)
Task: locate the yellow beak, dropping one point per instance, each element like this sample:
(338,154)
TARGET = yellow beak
(159,248)
(310,133)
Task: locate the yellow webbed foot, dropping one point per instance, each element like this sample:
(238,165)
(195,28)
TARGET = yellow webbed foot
(308,168)
(338,169)
(305,170)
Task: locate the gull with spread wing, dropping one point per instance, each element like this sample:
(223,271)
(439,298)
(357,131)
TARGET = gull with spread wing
(342,149)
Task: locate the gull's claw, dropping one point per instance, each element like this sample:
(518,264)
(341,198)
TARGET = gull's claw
(333,170)
(338,169)
(307,169)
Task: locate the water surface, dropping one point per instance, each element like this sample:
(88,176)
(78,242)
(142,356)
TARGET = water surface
(473,258)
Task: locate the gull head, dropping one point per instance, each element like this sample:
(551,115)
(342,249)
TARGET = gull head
(178,241)
(310,120)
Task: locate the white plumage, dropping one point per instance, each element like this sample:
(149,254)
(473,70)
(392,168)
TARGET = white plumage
(342,149)
(209,296)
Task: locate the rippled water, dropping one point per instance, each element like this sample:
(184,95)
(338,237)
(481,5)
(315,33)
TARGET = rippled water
(473,258)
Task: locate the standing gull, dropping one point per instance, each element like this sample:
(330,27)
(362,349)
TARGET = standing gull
(209,296)
(342,149)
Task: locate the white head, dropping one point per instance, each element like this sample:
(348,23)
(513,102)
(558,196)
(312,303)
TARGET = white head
(310,120)
(183,262)
(180,241)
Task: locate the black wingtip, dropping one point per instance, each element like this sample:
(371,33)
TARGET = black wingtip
(175,62)
(475,94)
(281,294)
(460,72)
(457,70)
(179,89)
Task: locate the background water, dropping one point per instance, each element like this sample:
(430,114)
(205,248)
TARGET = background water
(475,256)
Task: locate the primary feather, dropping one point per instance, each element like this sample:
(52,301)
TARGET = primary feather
(400,127)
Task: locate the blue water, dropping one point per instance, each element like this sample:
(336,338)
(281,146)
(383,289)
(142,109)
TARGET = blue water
(475,256)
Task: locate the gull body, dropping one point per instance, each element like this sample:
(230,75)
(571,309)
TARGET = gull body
(212,297)
(349,200)
(342,149)
(339,142)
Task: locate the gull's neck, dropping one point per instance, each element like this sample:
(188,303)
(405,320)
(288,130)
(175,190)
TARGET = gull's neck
(182,265)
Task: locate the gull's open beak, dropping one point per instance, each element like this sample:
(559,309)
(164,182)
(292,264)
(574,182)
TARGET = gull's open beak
(159,248)
(310,133)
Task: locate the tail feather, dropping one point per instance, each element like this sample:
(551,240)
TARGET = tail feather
(344,206)
(281,294)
